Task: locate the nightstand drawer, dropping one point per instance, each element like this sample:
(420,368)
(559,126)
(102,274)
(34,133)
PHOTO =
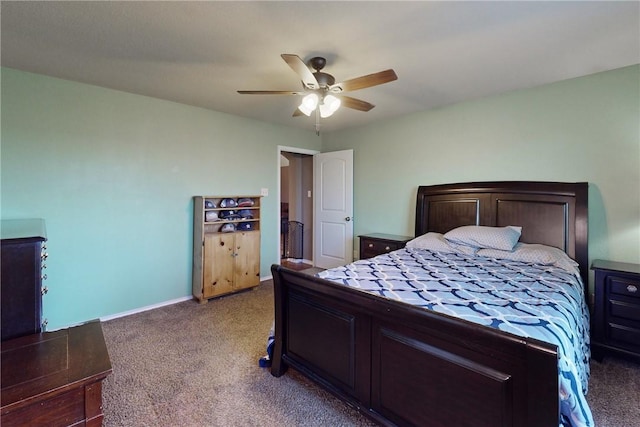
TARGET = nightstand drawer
(377,244)
(624,336)
(624,310)
(376,247)
(624,286)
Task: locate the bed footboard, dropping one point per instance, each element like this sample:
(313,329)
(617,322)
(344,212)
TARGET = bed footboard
(406,366)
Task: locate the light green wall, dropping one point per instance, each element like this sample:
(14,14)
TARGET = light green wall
(584,129)
(113,175)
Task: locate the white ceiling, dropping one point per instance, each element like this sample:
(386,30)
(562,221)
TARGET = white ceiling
(200,53)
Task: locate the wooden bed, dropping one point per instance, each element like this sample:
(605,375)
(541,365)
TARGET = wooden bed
(403,365)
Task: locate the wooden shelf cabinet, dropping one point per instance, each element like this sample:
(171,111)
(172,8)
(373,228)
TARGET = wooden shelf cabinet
(615,321)
(226,245)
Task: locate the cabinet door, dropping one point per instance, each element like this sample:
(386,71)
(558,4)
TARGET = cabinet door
(218,260)
(247,248)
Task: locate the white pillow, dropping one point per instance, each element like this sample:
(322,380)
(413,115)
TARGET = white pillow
(437,243)
(535,254)
(481,237)
(430,241)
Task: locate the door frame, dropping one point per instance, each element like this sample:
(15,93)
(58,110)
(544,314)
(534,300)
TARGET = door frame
(286,149)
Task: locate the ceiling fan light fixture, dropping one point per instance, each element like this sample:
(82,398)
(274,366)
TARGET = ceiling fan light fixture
(329,106)
(318,87)
(309,103)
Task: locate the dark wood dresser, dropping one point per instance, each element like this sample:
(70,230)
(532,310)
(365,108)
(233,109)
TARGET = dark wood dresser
(615,321)
(22,255)
(55,378)
(379,243)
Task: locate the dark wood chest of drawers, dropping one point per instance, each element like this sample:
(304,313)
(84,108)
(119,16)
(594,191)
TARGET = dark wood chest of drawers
(615,321)
(22,256)
(378,243)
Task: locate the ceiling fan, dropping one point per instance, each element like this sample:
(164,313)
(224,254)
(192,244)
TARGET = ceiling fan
(322,93)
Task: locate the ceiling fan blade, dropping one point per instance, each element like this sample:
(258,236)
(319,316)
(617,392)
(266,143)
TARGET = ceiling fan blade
(297,113)
(302,70)
(356,104)
(369,80)
(269,92)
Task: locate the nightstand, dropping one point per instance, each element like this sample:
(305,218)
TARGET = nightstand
(378,243)
(615,321)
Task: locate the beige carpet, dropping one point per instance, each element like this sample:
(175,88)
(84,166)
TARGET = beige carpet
(193,364)
(197,365)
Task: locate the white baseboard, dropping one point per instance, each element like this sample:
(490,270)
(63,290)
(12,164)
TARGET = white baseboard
(146,308)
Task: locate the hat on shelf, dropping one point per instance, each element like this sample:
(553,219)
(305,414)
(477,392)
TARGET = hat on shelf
(211,216)
(245,226)
(228,203)
(229,215)
(245,202)
(228,228)
(245,213)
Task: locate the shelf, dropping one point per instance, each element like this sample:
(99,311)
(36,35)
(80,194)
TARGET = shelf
(225,261)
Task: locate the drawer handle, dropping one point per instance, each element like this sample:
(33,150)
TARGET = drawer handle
(370,245)
(632,288)
(387,248)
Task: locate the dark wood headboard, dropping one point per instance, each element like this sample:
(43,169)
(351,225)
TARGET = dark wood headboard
(550,213)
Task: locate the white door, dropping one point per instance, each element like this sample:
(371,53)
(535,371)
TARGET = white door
(333,208)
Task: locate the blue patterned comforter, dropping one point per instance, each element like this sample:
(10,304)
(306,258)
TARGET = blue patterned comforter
(532,300)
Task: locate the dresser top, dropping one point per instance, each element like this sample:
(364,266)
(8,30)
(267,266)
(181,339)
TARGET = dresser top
(23,229)
(621,267)
(43,364)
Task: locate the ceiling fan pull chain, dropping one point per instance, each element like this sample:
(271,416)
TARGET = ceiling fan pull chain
(317,121)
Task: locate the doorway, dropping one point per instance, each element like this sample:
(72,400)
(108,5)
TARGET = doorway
(296,208)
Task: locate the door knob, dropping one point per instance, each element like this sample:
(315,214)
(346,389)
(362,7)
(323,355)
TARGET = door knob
(348,219)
